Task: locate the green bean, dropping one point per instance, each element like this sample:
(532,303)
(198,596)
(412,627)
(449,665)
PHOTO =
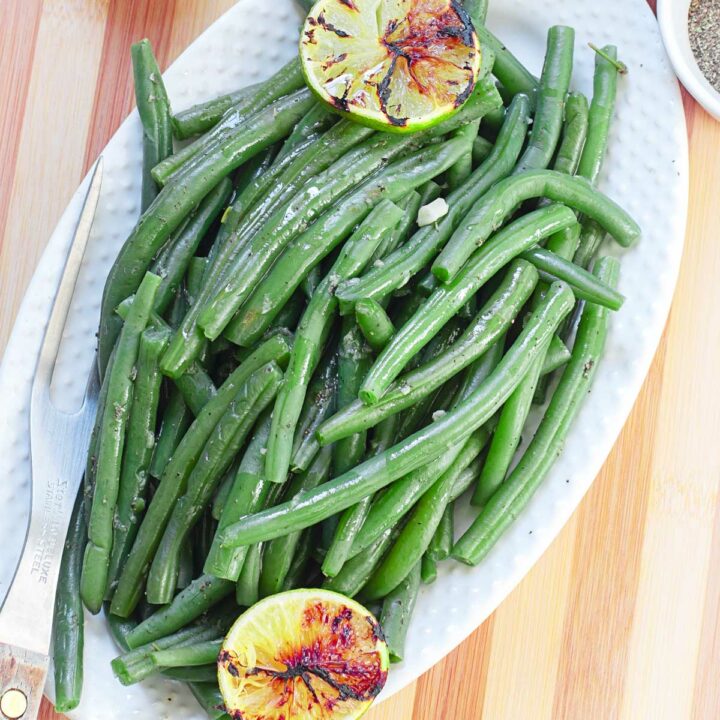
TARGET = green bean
(201,117)
(96,561)
(255,168)
(311,335)
(176,312)
(374,323)
(319,404)
(565,243)
(186,565)
(196,387)
(410,205)
(591,236)
(317,120)
(251,399)
(266,301)
(442,540)
(172,205)
(173,260)
(429,191)
(421,447)
(285,224)
(210,699)
(250,174)
(291,216)
(600,117)
(297,572)
(277,207)
(352,519)
(175,422)
(348,526)
(200,653)
(154,109)
(584,284)
(287,80)
(513,76)
(311,281)
(428,408)
(428,570)
(354,360)
(120,628)
(287,319)
(458,173)
(418,532)
(281,182)
(223,492)
(247,590)
(491,322)
(173,480)
(505,196)
(466,479)
(514,494)
(427,284)
(249,493)
(397,609)
(356,571)
(135,664)
(507,436)
(493,121)
(88,480)
(401,265)
(481,369)
(275,186)
(449,298)
(574,134)
(557,356)
(138,664)
(554,84)
(68,620)
(395,181)
(481,150)
(279,552)
(402,495)
(200,674)
(138,449)
(196,599)
(194,277)
(201,537)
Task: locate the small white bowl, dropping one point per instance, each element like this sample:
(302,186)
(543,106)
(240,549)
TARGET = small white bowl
(673,19)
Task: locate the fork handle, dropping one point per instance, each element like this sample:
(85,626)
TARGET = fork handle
(22,679)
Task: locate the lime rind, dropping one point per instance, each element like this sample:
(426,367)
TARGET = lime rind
(303,654)
(397,65)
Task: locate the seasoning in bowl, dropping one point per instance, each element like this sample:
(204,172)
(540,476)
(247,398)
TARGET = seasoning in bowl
(704,31)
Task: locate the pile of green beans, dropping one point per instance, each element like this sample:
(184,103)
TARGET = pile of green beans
(300,382)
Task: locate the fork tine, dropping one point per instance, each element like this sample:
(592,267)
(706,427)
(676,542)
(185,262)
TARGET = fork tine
(66,287)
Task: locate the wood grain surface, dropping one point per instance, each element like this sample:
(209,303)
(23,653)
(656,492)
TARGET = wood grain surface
(619,619)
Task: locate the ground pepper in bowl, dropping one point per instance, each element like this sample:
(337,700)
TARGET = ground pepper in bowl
(704,31)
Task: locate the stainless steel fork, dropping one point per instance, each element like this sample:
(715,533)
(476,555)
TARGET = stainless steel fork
(58,448)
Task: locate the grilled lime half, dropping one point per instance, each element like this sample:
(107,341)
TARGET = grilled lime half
(398,65)
(303,654)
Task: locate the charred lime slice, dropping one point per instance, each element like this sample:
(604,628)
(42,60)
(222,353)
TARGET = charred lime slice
(398,65)
(303,654)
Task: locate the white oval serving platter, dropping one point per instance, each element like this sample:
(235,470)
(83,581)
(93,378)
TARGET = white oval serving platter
(646,172)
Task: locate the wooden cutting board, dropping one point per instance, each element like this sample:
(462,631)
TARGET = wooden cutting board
(620,617)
